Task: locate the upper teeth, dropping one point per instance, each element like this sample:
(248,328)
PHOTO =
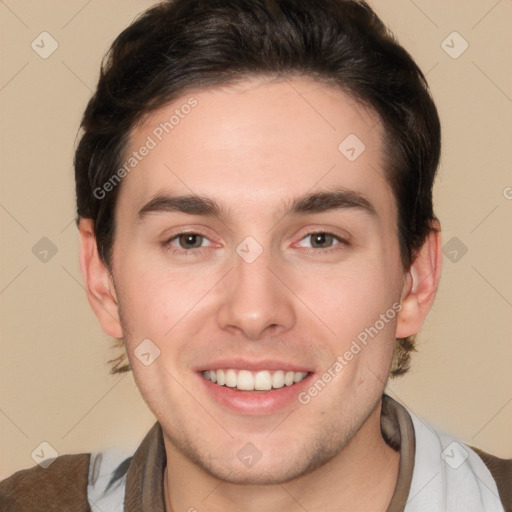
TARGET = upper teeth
(249,381)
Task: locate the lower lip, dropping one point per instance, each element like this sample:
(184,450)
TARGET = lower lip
(255,403)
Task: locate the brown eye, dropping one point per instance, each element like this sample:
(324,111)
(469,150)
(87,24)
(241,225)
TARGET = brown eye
(190,241)
(190,244)
(321,240)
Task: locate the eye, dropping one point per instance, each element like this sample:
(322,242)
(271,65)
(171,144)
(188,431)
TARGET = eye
(187,241)
(320,240)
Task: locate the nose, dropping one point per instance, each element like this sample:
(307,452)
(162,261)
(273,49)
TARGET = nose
(255,302)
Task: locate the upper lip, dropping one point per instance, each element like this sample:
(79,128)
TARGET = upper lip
(253,365)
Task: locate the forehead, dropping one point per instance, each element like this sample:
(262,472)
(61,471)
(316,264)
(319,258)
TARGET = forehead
(259,142)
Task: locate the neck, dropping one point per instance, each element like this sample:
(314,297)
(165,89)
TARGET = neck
(360,477)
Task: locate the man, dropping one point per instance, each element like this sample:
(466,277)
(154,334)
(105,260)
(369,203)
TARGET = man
(254,189)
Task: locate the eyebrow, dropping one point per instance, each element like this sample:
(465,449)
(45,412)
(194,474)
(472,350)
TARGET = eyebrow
(324,201)
(310,203)
(193,205)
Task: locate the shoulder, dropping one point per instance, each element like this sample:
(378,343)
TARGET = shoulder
(501,470)
(446,470)
(60,486)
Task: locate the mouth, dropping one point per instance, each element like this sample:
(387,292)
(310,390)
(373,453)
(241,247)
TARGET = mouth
(258,391)
(262,380)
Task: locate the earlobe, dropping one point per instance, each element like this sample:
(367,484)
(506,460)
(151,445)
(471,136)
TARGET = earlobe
(98,281)
(420,285)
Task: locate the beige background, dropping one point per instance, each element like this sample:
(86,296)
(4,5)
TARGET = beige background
(55,385)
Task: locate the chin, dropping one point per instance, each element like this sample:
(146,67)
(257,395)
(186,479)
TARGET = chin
(266,474)
(279,465)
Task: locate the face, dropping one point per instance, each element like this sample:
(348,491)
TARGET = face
(252,249)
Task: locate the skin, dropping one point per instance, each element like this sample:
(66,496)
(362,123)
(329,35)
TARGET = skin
(254,148)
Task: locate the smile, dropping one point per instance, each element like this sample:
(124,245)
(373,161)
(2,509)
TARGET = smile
(245,380)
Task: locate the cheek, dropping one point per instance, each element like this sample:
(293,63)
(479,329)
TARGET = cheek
(161,303)
(349,298)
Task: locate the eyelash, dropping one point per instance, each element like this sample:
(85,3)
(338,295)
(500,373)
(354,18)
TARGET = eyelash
(341,243)
(180,251)
(190,252)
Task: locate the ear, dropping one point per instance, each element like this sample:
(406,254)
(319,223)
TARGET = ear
(98,281)
(420,285)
